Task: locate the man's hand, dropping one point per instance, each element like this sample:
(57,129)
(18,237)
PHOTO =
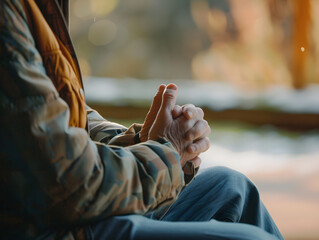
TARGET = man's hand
(188,123)
(198,134)
(152,113)
(187,132)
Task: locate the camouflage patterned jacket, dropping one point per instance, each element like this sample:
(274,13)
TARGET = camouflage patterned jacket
(60,168)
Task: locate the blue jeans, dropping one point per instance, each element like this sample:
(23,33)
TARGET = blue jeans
(218,204)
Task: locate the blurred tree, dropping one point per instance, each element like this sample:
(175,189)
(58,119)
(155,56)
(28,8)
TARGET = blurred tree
(253,44)
(244,50)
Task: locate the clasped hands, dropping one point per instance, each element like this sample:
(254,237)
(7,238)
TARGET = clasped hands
(183,126)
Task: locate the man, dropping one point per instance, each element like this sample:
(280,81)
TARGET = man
(67,173)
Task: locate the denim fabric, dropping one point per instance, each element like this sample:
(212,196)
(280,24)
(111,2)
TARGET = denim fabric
(218,204)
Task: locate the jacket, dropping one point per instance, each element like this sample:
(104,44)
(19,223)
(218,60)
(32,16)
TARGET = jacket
(62,164)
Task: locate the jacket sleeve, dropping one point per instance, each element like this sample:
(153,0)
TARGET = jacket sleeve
(56,172)
(105,131)
(108,132)
(100,129)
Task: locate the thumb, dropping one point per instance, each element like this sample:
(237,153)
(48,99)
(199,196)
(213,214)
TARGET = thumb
(156,104)
(152,113)
(164,117)
(169,99)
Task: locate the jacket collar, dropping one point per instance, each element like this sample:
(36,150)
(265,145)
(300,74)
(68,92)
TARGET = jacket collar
(56,13)
(55,7)
(64,6)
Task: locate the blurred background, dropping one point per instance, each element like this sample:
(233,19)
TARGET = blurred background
(252,65)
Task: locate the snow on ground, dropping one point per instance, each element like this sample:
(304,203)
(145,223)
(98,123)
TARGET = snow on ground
(262,149)
(216,95)
(253,161)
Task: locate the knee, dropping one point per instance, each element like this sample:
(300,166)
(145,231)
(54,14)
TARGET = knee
(229,180)
(223,174)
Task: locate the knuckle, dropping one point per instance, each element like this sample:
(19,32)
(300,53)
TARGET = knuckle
(207,142)
(202,126)
(189,127)
(206,125)
(194,148)
(200,112)
(188,107)
(190,136)
(169,93)
(177,107)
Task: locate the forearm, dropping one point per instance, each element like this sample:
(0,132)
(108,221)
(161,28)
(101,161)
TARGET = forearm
(100,129)
(104,131)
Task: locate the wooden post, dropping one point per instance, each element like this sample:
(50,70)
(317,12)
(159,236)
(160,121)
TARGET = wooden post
(301,26)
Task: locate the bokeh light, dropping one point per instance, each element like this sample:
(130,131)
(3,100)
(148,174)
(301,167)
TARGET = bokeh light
(102,7)
(102,32)
(93,8)
(81,8)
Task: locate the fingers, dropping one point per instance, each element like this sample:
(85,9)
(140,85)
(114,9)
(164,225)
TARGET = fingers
(201,129)
(199,146)
(169,99)
(156,104)
(177,111)
(191,115)
(164,125)
(158,97)
(196,161)
(152,113)
(190,112)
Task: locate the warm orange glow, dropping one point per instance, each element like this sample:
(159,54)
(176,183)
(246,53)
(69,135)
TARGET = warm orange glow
(302,20)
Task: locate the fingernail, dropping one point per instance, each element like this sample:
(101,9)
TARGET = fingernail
(193,149)
(172,86)
(190,114)
(190,136)
(161,88)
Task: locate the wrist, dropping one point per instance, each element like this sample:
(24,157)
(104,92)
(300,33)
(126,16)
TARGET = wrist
(137,138)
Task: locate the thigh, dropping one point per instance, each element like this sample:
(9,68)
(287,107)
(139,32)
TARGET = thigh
(136,227)
(216,193)
(224,195)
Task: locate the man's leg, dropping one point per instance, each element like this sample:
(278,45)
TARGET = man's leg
(225,195)
(219,204)
(135,227)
